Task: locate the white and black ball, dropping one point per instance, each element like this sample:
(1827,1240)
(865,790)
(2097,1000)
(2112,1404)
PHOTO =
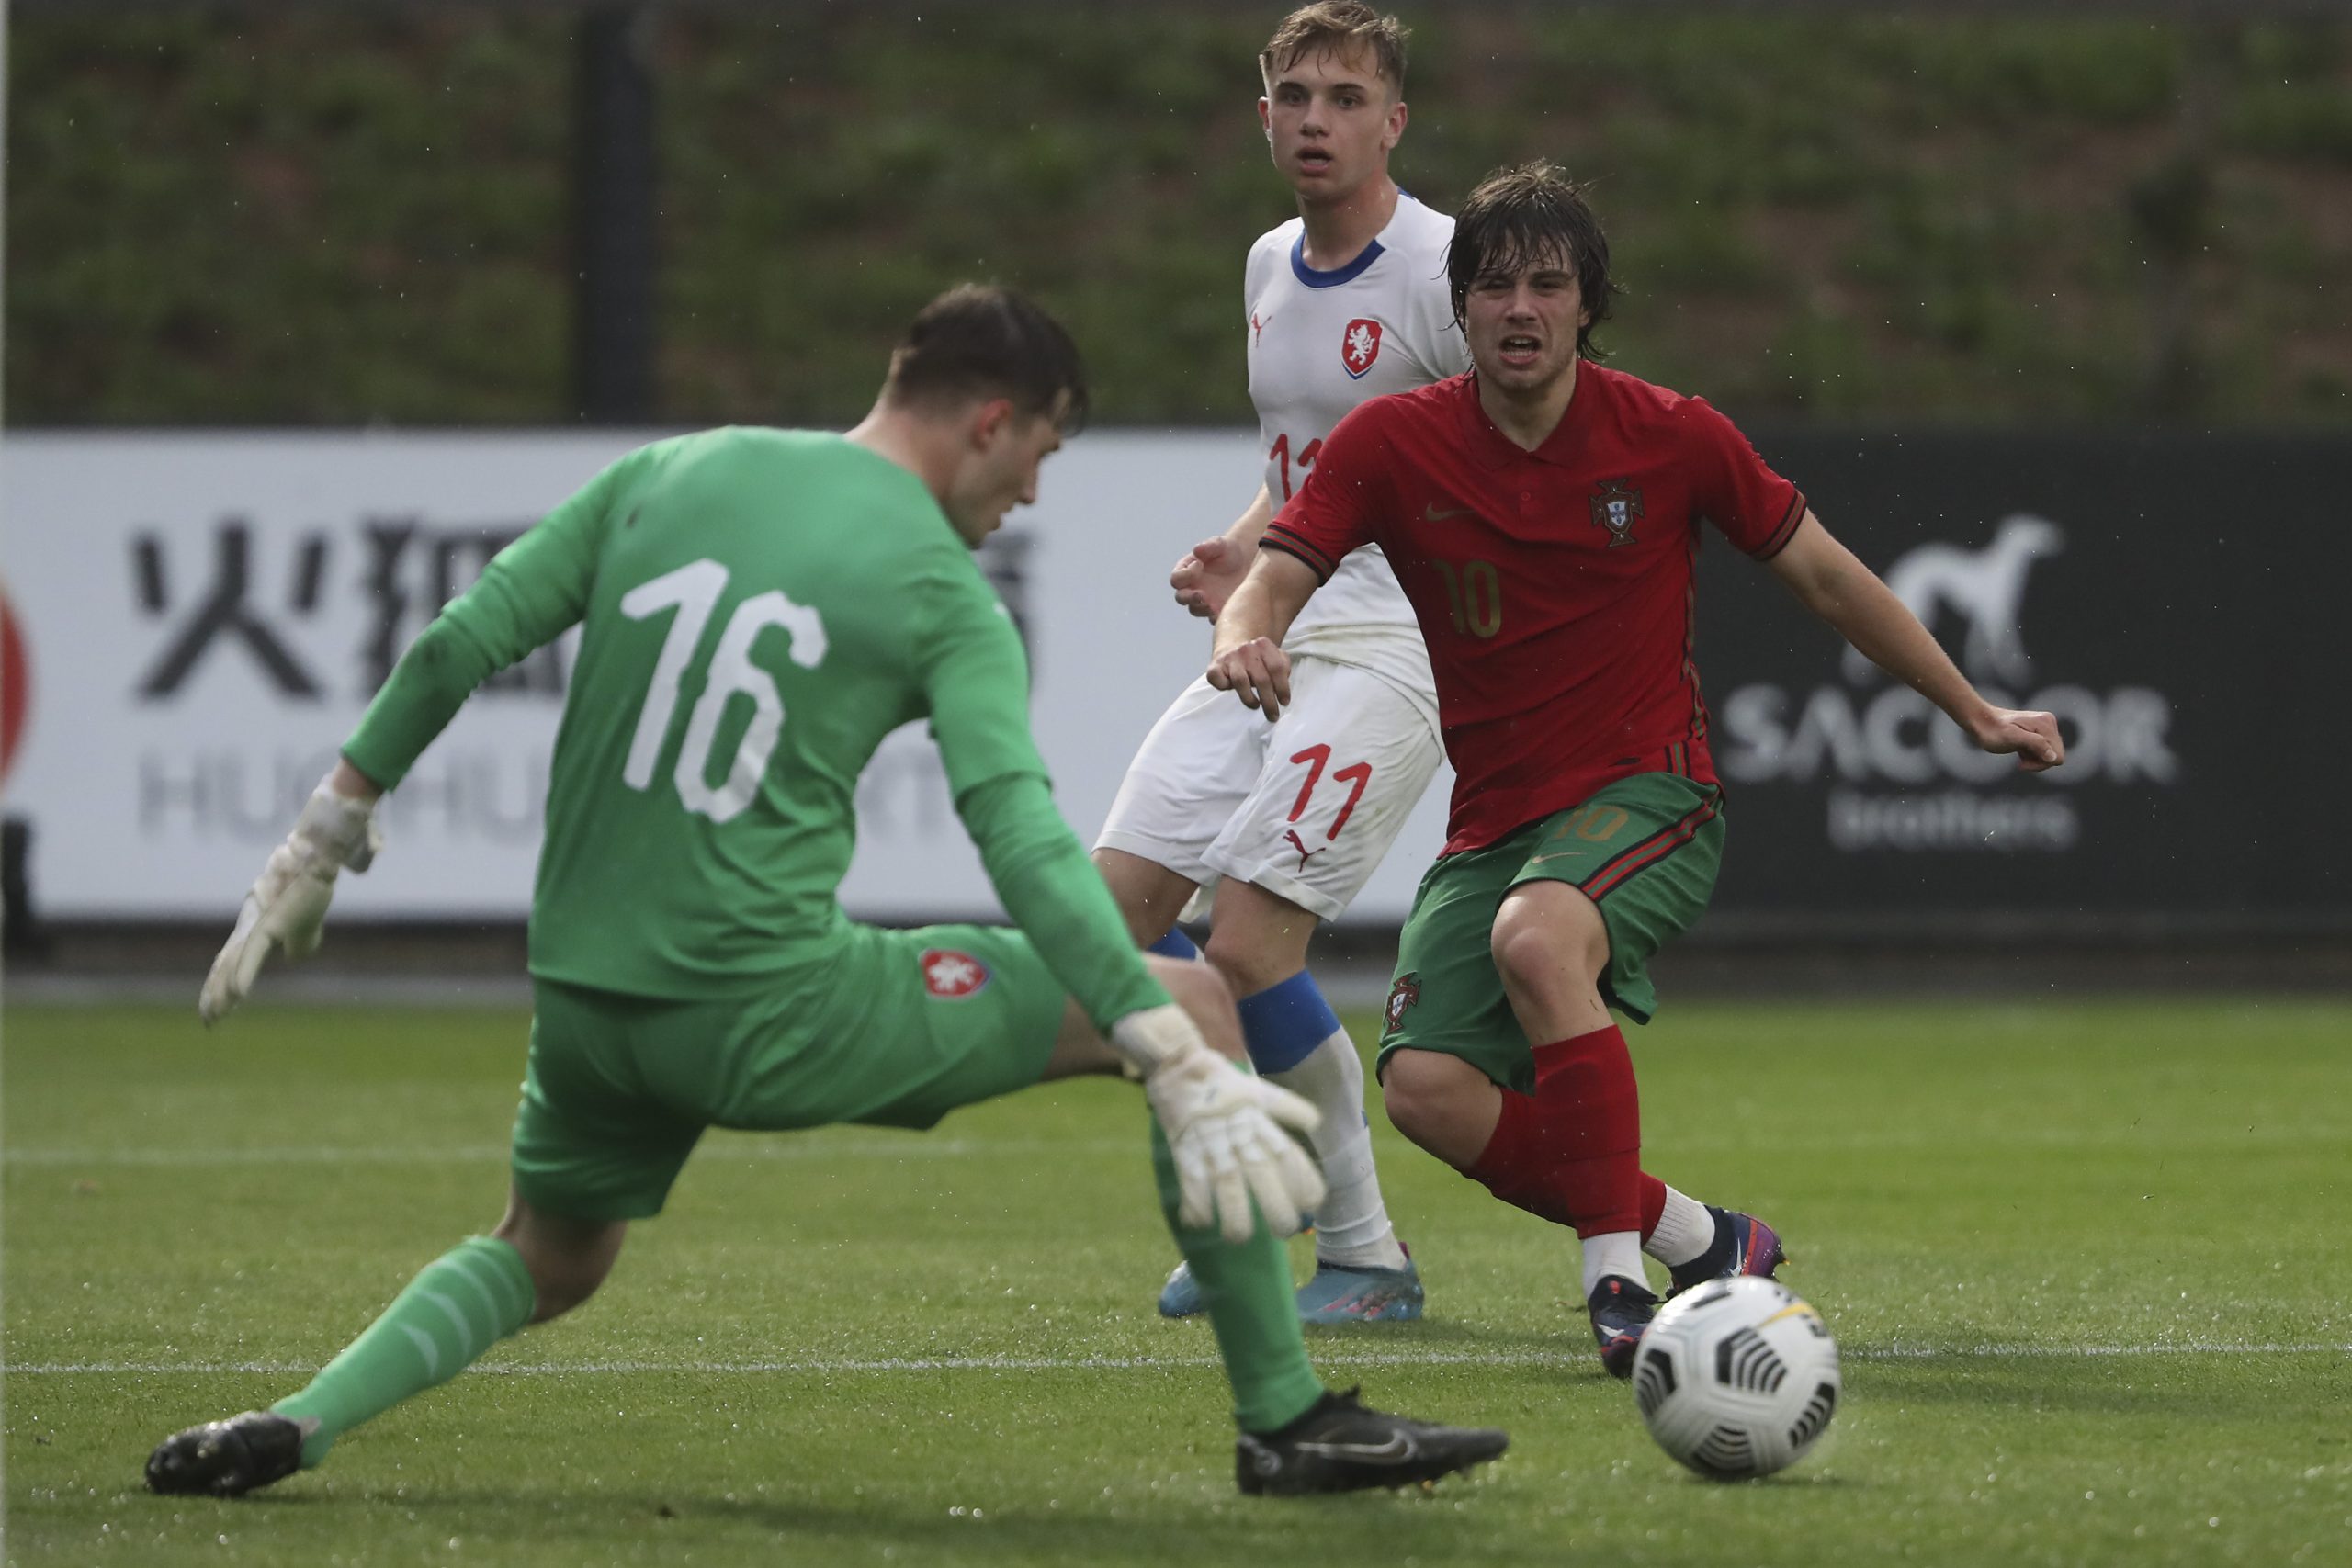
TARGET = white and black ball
(1736,1378)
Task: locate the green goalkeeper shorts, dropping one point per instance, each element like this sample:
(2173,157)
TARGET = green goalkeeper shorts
(1644,850)
(899,1028)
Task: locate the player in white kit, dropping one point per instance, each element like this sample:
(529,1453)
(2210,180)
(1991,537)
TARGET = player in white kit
(1284,822)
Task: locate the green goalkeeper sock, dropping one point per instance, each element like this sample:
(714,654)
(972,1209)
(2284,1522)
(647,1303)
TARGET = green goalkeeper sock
(466,1301)
(1251,1304)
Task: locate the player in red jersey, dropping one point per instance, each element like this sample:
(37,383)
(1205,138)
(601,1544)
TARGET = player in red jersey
(1544,515)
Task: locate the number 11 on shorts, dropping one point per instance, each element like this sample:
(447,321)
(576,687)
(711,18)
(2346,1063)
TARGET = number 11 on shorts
(1355,775)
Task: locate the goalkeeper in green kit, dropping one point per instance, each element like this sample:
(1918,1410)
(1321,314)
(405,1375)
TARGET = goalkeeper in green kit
(759,608)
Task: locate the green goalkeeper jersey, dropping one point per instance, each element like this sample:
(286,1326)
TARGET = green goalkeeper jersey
(759,609)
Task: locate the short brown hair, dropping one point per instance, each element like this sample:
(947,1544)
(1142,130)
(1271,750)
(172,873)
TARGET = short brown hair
(1517,218)
(979,339)
(1341,27)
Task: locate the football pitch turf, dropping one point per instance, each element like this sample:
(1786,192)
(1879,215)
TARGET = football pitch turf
(2086,1264)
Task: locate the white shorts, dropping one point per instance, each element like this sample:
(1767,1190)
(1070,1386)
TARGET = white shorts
(1303,807)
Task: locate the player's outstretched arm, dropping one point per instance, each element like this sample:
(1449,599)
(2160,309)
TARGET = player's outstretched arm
(1248,659)
(1205,580)
(1826,576)
(1225,1128)
(288,903)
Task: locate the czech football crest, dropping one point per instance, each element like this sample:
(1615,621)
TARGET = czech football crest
(1615,507)
(1402,996)
(951,975)
(1360,345)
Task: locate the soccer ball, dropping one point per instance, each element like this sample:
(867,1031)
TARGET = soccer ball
(1736,1378)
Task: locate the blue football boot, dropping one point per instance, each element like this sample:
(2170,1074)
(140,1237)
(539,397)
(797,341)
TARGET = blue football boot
(1338,1293)
(1622,1310)
(1181,1297)
(1335,1294)
(1743,1245)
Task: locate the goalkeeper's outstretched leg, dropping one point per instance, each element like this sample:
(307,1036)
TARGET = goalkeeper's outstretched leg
(535,1267)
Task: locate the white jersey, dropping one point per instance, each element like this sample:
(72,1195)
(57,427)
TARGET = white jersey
(1320,343)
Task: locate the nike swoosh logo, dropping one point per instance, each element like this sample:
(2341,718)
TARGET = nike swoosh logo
(1430,513)
(1398,1449)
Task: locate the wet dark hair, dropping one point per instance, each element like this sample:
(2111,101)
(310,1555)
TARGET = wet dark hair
(1521,217)
(980,341)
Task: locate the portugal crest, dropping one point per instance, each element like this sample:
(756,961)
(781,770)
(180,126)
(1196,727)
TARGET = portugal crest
(1360,345)
(1616,506)
(1401,997)
(951,975)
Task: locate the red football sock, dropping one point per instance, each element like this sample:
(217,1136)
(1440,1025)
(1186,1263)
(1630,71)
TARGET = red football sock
(1571,1151)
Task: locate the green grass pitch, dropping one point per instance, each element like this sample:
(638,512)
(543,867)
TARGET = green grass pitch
(2086,1263)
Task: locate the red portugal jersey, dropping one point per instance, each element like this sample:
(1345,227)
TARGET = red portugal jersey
(1555,587)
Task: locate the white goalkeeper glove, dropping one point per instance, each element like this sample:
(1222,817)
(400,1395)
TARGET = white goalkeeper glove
(289,901)
(1225,1127)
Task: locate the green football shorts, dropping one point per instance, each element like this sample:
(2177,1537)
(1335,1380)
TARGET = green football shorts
(898,1029)
(1644,850)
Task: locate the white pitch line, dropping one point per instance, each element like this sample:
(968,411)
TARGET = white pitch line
(1156,1363)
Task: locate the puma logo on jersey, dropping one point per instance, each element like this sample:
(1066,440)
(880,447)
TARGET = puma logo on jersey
(1305,855)
(1258,326)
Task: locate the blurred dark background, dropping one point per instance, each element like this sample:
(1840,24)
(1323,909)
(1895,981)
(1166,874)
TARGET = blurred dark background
(683,213)
(1951,262)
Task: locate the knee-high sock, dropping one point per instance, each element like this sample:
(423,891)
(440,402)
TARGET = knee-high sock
(1174,943)
(1571,1151)
(466,1301)
(1675,1228)
(1295,1040)
(1251,1306)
